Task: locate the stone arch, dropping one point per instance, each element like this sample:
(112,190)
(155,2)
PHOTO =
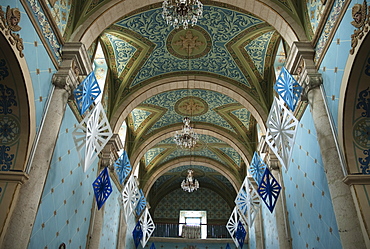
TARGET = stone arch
(212,131)
(236,183)
(19,80)
(17,126)
(289,29)
(353,129)
(198,82)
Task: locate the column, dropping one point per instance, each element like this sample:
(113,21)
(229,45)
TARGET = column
(301,59)
(258,230)
(96,224)
(107,158)
(75,60)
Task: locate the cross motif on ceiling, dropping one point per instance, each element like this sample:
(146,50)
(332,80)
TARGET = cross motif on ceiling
(188,42)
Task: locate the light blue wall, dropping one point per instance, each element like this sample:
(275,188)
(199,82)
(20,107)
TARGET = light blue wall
(270,233)
(130,224)
(65,208)
(39,63)
(252,237)
(308,202)
(334,62)
(109,234)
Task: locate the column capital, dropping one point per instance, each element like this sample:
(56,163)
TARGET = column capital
(75,62)
(309,81)
(300,62)
(110,152)
(272,160)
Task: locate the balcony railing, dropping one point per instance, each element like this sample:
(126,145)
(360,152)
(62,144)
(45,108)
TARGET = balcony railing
(172,230)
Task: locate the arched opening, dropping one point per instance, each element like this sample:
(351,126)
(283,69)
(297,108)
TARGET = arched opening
(355,131)
(16,129)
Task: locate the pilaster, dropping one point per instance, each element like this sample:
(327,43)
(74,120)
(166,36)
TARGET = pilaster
(258,230)
(300,62)
(282,223)
(107,157)
(75,61)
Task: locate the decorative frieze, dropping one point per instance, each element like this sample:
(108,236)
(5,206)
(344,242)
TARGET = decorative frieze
(9,24)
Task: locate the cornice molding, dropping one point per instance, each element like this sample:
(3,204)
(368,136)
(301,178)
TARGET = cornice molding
(14,176)
(358,179)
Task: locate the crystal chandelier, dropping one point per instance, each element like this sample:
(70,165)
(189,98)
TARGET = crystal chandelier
(186,138)
(190,184)
(182,12)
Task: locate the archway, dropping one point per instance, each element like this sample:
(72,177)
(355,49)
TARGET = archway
(17,128)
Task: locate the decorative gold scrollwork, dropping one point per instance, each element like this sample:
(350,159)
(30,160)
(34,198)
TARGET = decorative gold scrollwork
(8,24)
(361,20)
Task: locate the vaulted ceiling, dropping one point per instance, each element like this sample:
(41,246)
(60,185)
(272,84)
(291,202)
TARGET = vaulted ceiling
(220,73)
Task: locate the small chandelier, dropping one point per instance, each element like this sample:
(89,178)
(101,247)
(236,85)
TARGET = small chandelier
(190,184)
(182,12)
(187,138)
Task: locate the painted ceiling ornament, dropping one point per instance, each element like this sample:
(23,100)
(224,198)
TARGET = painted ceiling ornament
(137,234)
(147,226)
(361,21)
(188,42)
(8,99)
(4,71)
(182,12)
(269,190)
(9,129)
(86,92)
(191,43)
(123,167)
(257,167)
(130,196)
(9,23)
(288,89)
(6,159)
(102,187)
(365,162)
(233,222)
(281,129)
(191,105)
(91,135)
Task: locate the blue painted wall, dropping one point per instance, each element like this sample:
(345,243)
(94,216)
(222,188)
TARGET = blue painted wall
(39,63)
(308,202)
(130,225)
(270,234)
(64,212)
(109,234)
(334,62)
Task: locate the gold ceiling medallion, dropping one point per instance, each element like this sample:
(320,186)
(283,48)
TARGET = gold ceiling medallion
(189,44)
(361,20)
(191,106)
(9,24)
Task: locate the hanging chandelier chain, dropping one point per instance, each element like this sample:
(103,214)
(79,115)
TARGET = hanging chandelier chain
(182,12)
